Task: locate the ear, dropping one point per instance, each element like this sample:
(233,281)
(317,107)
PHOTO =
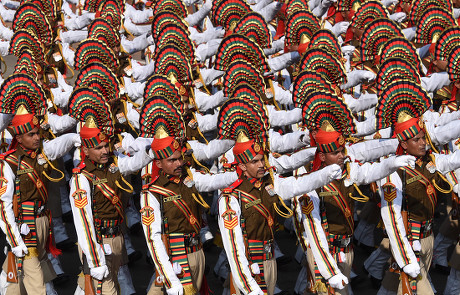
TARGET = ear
(242,167)
(85,150)
(158,163)
(19,138)
(403,144)
(322,156)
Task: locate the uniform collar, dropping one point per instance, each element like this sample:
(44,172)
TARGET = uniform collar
(26,152)
(91,166)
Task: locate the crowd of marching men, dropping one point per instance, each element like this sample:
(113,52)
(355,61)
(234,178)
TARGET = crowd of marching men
(336,119)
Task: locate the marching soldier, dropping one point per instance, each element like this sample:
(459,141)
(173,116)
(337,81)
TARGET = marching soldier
(409,196)
(96,196)
(25,174)
(247,209)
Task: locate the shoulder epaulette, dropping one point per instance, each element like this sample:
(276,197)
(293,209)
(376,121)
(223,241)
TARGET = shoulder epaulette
(234,185)
(78,169)
(4,155)
(146,186)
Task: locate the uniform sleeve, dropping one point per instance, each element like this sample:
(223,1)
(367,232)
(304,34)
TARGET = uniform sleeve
(283,118)
(370,172)
(80,201)
(441,135)
(152,232)
(207,123)
(288,163)
(206,102)
(447,163)
(7,220)
(210,182)
(60,124)
(60,146)
(287,142)
(365,127)
(138,16)
(137,44)
(5,120)
(435,81)
(317,239)
(289,187)
(364,102)
(129,165)
(141,73)
(195,18)
(207,50)
(392,218)
(135,90)
(371,150)
(282,96)
(232,238)
(134,29)
(283,61)
(210,151)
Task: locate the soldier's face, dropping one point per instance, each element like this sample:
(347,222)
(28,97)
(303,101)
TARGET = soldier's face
(254,168)
(98,154)
(335,157)
(172,165)
(415,146)
(30,140)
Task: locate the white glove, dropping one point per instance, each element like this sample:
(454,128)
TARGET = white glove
(387,3)
(403,161)
(348,50)
(398,17)
(99,272)
(339,281)
(357,77)
(334,172)
(340,28)
(255,268)
(412,269)
(176,289)
(20,251)
(177,268)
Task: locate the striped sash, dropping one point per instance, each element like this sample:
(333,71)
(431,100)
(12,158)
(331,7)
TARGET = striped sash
(430,190)
(28,218)
(342,203)
(179,255)
(251,201)
(256,250)
(179,203)
(106,190)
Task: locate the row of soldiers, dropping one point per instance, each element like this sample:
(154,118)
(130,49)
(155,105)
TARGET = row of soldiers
(298,110)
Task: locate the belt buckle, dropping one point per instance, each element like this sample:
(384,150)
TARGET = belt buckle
(345,242)
(427,227)
(193,241)
(268,248)
(40,210)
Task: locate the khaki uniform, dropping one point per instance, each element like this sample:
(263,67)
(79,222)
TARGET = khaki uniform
(339,226)
(166,195)
(32,200)
(104,223)
(421,200)
(254,197)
